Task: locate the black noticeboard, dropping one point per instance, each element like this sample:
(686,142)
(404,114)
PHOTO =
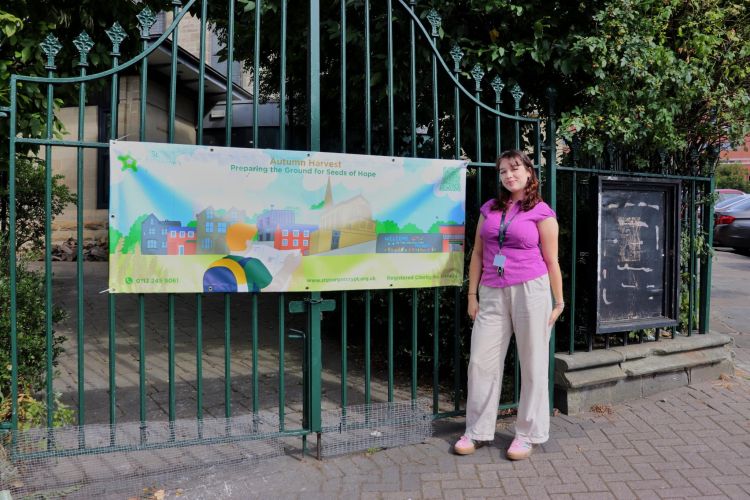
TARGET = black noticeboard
(638,254)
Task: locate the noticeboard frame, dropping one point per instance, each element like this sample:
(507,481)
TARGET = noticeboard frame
(670,262)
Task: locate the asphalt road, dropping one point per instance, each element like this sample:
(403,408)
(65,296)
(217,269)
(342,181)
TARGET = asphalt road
(730,301)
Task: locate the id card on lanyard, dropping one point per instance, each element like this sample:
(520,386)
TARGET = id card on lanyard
(499,260)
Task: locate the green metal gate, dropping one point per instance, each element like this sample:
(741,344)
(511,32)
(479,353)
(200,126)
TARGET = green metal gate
(399,98)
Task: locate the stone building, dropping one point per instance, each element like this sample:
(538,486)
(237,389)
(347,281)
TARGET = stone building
(97,117)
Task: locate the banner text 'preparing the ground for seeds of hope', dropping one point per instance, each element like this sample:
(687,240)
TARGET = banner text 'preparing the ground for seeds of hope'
(211,219)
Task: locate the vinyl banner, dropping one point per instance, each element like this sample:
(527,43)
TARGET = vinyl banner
(211,219)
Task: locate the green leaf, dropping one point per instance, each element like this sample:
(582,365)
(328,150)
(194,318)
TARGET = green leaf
(249,5)
(26,54)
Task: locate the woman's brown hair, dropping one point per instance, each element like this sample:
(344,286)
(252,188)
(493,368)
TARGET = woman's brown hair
(531,192)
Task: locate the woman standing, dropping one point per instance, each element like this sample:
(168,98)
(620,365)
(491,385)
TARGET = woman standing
(513,267)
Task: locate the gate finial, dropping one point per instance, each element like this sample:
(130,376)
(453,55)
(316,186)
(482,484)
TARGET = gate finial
(84,44)
(51,46)
(146,19)
(517,93)
(498,85)
(457,54)
(435,21)
(116,34)
(477,73)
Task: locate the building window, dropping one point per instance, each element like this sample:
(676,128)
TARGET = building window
(221,227)
(151,244)
(164,231)
(191,234)
(209,213)
(152,231)
(305,243)
(295,233)
(102,155)
(295,243)
(207,243)
(209,227)
(173,234)
(164,244)
(284,243)
(233,215)
(182,234)
(284,232)
(306,233)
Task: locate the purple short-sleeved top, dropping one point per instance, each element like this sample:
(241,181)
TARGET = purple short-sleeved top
(524,261)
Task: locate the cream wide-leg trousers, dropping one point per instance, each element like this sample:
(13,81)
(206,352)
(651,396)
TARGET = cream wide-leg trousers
(524,309)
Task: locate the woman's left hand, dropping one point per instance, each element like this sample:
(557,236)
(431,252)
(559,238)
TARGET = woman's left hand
(556,312)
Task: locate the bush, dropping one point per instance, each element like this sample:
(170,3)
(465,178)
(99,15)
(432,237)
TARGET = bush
(32,413)
(31,329)
(30,210)
(30,289)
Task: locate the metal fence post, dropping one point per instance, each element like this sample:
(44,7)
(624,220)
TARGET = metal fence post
(315,310)
(706,262)
(552,200)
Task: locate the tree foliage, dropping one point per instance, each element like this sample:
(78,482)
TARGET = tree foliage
(649,76)
(733,176)
(667,75)
(24,24)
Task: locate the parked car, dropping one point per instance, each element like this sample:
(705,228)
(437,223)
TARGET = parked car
(727,193)
(728,202)
(732,225)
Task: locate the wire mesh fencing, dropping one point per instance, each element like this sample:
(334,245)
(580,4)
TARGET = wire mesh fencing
(131,460)
(379,425)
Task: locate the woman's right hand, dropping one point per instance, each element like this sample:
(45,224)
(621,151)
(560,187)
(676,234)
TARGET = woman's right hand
(473,307)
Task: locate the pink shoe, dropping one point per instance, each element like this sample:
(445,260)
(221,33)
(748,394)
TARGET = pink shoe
(467,446)
(519,449)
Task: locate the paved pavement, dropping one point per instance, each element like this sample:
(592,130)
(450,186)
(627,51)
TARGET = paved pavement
(213,319)
(692,442)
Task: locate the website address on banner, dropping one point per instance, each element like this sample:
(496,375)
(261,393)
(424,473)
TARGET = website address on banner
(448,275)
(339,279)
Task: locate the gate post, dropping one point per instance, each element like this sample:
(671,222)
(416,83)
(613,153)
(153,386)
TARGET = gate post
(551,149)
(704,309)
(12,262)
(552,200)
(315,310)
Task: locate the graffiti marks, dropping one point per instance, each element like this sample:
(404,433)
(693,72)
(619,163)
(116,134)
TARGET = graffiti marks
(630,238)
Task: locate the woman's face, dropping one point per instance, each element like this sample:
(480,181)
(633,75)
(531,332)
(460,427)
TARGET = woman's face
(513,174)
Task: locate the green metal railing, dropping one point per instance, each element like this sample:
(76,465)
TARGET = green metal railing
(437,116)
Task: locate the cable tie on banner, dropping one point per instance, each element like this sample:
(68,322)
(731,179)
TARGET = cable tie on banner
(106,291)
(123,137)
